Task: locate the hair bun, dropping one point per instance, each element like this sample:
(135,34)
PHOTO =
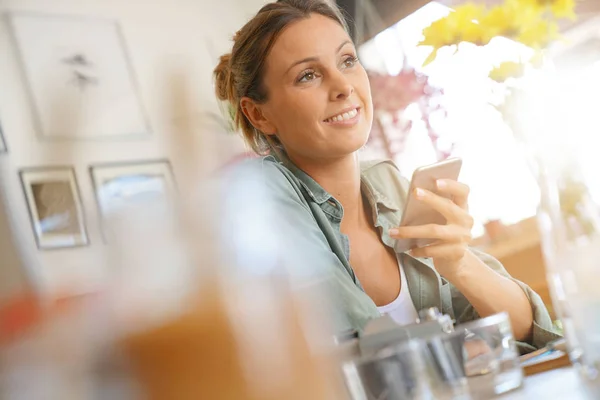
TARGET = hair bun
(223,79)
(237,35)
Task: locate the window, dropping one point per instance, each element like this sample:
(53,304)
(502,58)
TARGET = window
(501,185)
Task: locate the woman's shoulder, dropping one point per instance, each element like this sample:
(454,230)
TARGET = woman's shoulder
(267,167)
(267,172)
(385,179)
(381,170)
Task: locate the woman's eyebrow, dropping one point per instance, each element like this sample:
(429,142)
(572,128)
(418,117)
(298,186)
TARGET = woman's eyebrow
(345,42)
(309,59)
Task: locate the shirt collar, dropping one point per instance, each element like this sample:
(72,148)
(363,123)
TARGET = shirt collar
(314,190)
(320,195)
(376,197)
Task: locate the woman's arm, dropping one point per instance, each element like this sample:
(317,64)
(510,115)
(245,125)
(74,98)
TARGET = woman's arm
(490,293)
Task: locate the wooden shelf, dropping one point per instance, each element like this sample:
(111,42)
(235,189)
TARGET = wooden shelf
(513,244)
(517,238)
(520,252)
(546,365)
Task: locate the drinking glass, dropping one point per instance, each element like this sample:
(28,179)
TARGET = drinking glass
(490,356)
(397,372)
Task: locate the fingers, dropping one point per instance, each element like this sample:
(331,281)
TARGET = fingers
(458,191)
(445,251)
(453,213)
(445,233)
(476,348)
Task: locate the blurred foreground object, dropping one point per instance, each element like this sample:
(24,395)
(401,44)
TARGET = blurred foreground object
(552,117)
(236,329)
(199,302)
(201,355)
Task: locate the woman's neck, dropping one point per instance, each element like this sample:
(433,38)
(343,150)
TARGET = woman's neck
(340,178)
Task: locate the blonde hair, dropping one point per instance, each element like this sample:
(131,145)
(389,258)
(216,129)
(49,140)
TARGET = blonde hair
(240,73)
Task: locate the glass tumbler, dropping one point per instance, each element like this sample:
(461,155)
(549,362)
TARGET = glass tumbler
(397,372)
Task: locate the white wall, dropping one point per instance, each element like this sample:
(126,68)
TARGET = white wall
(167,45)
(12,272)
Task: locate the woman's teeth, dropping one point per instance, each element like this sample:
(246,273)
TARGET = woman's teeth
(343,117)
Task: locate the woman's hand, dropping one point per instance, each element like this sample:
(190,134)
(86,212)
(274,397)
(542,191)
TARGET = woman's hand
(450,249)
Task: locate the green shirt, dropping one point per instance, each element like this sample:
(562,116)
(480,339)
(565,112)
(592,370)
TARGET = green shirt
(312,219)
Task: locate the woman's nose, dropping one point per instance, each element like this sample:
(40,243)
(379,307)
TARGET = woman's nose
(341,87)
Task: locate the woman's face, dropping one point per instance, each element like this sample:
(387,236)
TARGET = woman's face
(319,99)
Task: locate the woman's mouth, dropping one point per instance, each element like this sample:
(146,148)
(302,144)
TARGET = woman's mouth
(345,118)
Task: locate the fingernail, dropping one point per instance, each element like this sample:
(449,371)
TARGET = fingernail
(394,232)
(420,192)
(441,183)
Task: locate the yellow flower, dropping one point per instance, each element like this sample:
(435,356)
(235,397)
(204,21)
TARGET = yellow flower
(560,8)
(438,34)
(497,22)
(537,60)
(505,70)
(466,19)
(508,19)
(564,9)
(531,22)
(538,35)
(460,25)
(430,58)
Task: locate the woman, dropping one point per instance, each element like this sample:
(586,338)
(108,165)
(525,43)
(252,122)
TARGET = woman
(302,96)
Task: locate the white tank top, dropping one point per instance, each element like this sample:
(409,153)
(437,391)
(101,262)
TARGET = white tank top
(402,310)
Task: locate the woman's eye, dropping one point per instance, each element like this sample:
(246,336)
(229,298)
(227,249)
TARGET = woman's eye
(350,62)
(307,76)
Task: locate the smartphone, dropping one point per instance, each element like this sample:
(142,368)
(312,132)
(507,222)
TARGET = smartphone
(415,211)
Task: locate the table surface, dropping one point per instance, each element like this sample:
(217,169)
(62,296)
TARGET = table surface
(561,383)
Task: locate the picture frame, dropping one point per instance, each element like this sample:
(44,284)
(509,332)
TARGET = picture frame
(55,207)
(3,146)
(123,184)
(79,77)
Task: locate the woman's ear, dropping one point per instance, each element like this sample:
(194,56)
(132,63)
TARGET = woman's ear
(255,114)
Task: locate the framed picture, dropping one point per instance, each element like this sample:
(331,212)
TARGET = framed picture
(54,207)
(79,77)
(121,185)
(3,147)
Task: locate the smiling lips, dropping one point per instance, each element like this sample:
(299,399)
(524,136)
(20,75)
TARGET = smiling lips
(345,118)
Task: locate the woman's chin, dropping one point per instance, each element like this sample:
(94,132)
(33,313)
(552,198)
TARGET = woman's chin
(349,146)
